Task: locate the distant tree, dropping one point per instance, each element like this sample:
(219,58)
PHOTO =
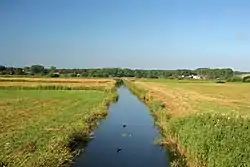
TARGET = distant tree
(26,69)
(19,71)
(235,79)
(52,69)
(205,73)
(37,69)
(10,70)
(227,73)
(2,68)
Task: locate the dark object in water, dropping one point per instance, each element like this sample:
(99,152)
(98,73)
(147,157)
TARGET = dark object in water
(118,150)
(124,126)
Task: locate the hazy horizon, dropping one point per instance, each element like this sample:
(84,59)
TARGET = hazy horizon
(145,34)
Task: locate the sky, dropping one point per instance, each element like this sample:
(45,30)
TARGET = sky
(145,34)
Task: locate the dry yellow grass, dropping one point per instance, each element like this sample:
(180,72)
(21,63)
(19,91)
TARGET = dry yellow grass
(34,84)
(67,80)
(71,82)
(187,98)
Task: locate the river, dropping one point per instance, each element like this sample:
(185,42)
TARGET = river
(125,138)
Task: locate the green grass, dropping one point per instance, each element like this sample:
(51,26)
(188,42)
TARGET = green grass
(55,87)
(203,124)
(44,127)
(212,139)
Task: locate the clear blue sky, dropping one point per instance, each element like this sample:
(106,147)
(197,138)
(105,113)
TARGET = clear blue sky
(163,34)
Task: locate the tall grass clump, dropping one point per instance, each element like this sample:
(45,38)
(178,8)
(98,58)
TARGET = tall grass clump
(212,140)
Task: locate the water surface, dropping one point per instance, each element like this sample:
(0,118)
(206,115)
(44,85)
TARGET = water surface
(135,142)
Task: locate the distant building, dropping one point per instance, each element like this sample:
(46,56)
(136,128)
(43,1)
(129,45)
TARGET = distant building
(195,76)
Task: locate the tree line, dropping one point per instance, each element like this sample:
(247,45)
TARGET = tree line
(39,70)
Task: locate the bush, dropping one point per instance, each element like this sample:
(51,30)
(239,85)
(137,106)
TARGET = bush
(54,75)
(235,79)
(220,82)
(246,79)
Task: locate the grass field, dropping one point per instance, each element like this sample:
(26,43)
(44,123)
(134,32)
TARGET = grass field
(203,123)
(56,83)
(45,127)
(184,98)
(60,80)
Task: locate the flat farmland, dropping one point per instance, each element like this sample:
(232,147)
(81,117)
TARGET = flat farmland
(62,80)
(47,127)
(185,97)
(56,83)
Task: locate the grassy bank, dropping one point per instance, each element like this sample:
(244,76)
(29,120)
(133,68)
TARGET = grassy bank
(199,126)
(48,127)
(212,139)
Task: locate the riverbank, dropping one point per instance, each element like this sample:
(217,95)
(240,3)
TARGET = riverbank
(197,138)
(49,127)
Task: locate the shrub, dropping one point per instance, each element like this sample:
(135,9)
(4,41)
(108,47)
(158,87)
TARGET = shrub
(246,79)
(220,82)
(54,75)
(235,79)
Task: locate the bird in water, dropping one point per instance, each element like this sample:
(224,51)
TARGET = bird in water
(124,126)
(118,150)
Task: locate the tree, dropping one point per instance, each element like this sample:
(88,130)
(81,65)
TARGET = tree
(235,79)
(2,68)
(19,71)
(206,73)
(27,70)
(52,69)
(37,69)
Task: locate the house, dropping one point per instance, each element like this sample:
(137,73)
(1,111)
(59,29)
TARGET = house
(195,76)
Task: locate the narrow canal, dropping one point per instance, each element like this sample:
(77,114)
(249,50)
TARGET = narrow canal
(125,138)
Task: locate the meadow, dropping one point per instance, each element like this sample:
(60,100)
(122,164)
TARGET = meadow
(57,83)
(47,126)
(203,123)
